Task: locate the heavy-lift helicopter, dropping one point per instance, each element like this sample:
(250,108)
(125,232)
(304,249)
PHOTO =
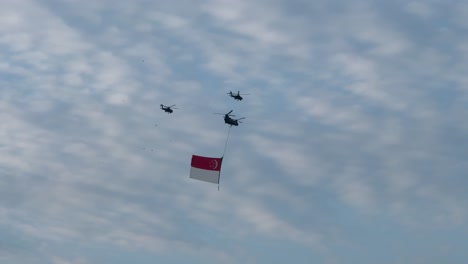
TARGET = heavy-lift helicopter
(168,109)
(230,121)
(237,96)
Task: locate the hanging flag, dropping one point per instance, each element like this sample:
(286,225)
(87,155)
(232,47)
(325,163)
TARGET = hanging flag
(206,168)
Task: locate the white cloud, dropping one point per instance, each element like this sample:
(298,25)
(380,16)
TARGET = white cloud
(58,260)
(264,222)
(419,8)
(351,112)
(354,190)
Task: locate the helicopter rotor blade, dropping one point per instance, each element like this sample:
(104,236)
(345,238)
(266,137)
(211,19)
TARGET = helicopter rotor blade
(230,112)
(241,118)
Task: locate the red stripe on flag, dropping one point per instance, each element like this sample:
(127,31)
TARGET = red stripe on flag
(206,163)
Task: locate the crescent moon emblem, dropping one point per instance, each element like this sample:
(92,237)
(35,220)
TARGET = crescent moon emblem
(214,164)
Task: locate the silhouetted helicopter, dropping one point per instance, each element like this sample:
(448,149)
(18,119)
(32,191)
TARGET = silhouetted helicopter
(236,96)
(230,121)
(168,109)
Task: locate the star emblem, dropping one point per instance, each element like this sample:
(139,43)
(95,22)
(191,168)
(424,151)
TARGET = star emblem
(213,164)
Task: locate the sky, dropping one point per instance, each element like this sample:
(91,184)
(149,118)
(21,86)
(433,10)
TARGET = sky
(353,149)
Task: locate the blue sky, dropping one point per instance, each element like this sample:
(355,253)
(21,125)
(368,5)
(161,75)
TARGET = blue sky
(354,147)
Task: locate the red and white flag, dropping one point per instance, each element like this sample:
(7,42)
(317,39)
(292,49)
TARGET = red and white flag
(206,168)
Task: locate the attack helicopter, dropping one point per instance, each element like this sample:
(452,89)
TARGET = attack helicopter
(237,96)
(230,121)
(168,109)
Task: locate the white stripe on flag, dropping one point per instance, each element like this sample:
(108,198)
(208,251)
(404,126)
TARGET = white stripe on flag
(204,175)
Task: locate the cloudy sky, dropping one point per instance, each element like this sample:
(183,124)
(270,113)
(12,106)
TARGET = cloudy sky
(354,148)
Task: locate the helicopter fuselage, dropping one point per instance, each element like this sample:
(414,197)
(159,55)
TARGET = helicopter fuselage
(167,110)
(230,121)
(236,96)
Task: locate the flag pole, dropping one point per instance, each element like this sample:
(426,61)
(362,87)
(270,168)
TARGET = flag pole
(225,144)
(224,152)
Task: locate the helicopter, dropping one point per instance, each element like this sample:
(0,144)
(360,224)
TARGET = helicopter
(236,96)
(168,109)
(230,121)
